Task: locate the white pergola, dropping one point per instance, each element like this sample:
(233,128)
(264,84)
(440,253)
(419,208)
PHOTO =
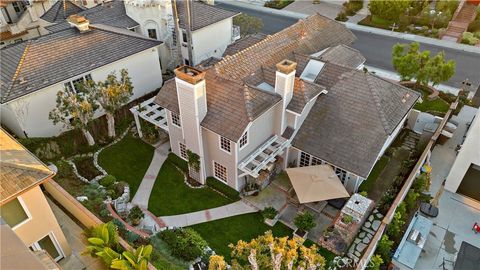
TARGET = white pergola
(265,154)
(151,112)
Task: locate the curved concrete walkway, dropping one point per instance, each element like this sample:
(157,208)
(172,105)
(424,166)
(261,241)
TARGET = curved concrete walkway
(229,210)
(145,188)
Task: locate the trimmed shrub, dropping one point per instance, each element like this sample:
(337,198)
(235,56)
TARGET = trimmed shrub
(223,188)
(304,221)
(269,212)
(177,161)
(107,181)
(184,243)
(135,215)
(342,16)
(474,26)
(469,38)
(278,4)
(131,237)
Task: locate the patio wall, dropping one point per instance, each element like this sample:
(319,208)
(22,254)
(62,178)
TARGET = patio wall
(403,192)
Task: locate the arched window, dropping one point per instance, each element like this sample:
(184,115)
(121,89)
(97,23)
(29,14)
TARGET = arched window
(151,29)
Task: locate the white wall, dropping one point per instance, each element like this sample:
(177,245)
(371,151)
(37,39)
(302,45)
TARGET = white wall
(144,70)
(210,41)
(469,153)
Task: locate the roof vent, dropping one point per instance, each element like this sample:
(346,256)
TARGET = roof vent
(79,22)
(189,74)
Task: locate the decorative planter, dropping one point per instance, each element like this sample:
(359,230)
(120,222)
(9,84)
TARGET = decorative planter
(300,236)
(271,222)
(251,193)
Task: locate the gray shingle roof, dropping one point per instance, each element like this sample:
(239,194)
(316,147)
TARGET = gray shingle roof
(110,13)
(60,11)
(203,14)
(348,126)
(303,92)
(344,56)
(244,43)
(62,55)
(232,97)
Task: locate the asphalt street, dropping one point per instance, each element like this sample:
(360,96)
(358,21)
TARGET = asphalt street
(377,48)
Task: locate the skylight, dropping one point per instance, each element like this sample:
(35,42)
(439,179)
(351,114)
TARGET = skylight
(312,70)
(266,87)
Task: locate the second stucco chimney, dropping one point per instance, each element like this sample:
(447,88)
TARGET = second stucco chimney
(79,22)
(192,102)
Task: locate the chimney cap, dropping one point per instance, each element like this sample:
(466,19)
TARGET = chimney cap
(189,74)
(80,22)
(286,66)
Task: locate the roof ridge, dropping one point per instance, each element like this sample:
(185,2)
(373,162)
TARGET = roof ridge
(121,31)
(17,70)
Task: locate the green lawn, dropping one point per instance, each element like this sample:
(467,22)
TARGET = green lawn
(220,233)
(436,105)
(171,196)
(327,254)
(128,160)
(367,185)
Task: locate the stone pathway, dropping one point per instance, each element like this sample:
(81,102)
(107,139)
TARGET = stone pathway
(364,237)
(229,210)
(145,188)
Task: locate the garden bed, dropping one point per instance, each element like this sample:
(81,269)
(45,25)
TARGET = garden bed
(278,4)
(86,168)
(220,233)
(128,161)
(171,196)
(435,106)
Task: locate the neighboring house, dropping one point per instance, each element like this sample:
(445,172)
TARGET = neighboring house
(34,71)
(464,176)
(298,98)
(23,206)
(61,10)
(19,20)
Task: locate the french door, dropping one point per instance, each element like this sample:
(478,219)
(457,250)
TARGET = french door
(50,245)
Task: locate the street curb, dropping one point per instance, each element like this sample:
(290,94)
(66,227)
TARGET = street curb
(367,29)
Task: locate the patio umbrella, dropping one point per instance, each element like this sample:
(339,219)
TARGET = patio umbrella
(316,183)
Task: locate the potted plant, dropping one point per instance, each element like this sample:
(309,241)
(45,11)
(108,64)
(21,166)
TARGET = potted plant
(269,215)
(347,219)
(250,189)
(135,215)
(304,222)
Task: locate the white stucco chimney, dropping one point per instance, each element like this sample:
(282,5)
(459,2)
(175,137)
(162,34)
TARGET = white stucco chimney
(284,83)
(79,22)
(192,102)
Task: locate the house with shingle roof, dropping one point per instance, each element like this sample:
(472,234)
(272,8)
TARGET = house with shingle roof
(34,71)
(23,206)
(299,97)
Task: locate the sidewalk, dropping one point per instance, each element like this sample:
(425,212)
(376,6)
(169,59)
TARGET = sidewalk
(229,210)
(143,193)
(327,8)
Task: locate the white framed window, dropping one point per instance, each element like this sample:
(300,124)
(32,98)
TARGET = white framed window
(176,119)
(220,171)
(50,244)
(183,151)
(304,159)
(225,144)
(244,139)
(72,85)
(15,213)
(316,161)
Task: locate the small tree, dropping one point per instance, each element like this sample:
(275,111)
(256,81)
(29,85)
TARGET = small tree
(248,24)
(268,252)
(112,94)
(217,263)
(75,109)
(135,215)
(304,221)
(394,229)
(419,65)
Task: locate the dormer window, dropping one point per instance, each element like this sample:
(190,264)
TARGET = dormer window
(225,144)
(244,140)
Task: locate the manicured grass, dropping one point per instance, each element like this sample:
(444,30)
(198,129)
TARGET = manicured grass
(436,105)
(128,160)
(368,184)
(220,233)
(171,196)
